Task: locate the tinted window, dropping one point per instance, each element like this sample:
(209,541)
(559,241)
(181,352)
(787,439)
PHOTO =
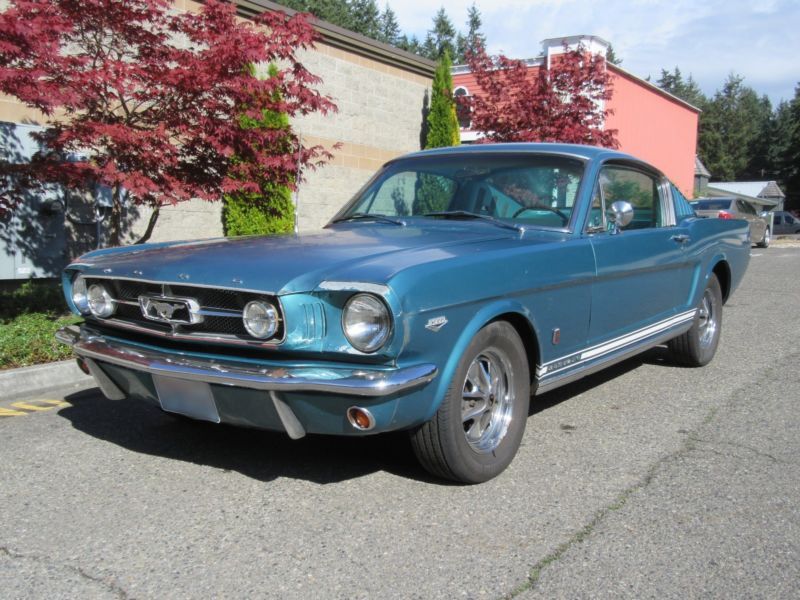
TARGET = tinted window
(529,189)
(712,204)
(636,187)
(790,220)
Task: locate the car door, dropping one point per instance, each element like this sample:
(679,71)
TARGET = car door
(758,226)
(643,277)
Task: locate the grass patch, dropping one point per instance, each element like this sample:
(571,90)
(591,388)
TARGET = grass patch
(29,340)
(29,317)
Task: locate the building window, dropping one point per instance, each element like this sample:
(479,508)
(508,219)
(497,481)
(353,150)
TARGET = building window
(463,108)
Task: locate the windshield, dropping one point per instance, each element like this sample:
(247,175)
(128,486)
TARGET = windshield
(520,189)
(724,204)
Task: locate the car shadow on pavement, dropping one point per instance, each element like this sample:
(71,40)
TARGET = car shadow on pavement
(265,455)
(262,455)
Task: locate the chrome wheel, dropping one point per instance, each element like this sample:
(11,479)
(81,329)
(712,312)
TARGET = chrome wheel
(487,400)
(707,320)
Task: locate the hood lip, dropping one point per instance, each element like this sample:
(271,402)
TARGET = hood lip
(164,282)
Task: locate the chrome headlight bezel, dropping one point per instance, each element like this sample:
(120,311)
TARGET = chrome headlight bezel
(266,314)
(80,294)
(366,322)
(100,302)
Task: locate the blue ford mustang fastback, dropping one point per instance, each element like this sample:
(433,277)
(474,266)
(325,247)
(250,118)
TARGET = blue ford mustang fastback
(455,285)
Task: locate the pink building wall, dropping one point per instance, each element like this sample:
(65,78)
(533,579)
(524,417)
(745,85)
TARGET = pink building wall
(651,124)
(655,127)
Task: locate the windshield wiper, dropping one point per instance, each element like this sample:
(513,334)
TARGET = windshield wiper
(361,215)
(465,214)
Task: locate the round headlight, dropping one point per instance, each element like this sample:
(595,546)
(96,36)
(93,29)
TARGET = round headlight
(100,301)
(260,319)
(366,322)
(79,298)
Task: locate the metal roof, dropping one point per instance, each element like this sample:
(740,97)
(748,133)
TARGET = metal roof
(753,189)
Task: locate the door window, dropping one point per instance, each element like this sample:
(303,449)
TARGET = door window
(640,189)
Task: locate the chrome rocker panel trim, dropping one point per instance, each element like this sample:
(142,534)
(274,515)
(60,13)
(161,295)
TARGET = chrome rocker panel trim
(343,381)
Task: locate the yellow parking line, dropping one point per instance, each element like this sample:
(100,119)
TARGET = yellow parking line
(55,403)
(7,412)
(28,406)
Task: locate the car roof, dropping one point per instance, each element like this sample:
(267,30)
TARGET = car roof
(577,150)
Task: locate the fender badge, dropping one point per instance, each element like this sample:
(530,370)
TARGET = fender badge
(436,323)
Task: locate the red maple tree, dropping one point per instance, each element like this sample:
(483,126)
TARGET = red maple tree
(562,103)
(151,100)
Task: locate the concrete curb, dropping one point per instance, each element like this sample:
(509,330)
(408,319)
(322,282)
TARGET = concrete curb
(29,381)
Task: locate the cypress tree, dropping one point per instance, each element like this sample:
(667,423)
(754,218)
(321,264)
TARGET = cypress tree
(270,210)
(442,121)
(433,192)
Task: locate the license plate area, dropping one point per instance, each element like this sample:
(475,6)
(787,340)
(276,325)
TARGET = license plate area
(190,398)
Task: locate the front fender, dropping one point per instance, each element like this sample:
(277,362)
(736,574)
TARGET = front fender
(479,319)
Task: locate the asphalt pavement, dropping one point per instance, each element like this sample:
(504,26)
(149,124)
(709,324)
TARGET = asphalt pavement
(644,481)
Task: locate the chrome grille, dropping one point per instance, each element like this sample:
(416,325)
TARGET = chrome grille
(221,309)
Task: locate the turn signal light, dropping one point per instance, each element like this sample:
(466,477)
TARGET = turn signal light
(360,418)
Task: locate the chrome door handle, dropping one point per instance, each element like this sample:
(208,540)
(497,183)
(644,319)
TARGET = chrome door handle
(681,238)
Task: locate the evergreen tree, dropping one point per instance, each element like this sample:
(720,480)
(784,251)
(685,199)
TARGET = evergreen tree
(432,193)
(730,124)
(365,18)
(411,44)
(612,57)
(270,210)
(389,27)
(333,11)
(442,122)
(791,154)
(441,37)
(474,38)
(685,89)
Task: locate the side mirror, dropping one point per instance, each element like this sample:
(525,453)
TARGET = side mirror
(619,214)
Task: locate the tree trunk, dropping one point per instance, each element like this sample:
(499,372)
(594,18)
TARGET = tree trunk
(115,224)
(151,224)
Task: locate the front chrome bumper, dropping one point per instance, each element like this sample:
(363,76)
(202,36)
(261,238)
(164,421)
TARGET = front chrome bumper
(364,382)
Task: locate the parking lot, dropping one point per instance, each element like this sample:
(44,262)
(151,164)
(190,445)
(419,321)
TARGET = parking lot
(646,480)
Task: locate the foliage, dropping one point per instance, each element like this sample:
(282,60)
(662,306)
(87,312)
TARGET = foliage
(270,210)
(560,104)
(730,127)
(32,296)
(433,194)
(443,127)
(474,38)
(612,57)
(441,37)
(790,162)
(337,12)
(29,339)
(389,27)
(685,89)
(148,100)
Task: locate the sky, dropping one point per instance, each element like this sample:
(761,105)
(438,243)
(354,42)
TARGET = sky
(709,39)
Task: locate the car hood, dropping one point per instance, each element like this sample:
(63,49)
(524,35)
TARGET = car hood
(286,264)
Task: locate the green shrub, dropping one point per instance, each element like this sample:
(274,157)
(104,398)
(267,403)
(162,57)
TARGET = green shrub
(271,210)
(28,340)
(257,214)
(32,296)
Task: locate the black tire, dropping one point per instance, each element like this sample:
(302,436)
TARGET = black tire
(697,347)
(455,446)
(764,243)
